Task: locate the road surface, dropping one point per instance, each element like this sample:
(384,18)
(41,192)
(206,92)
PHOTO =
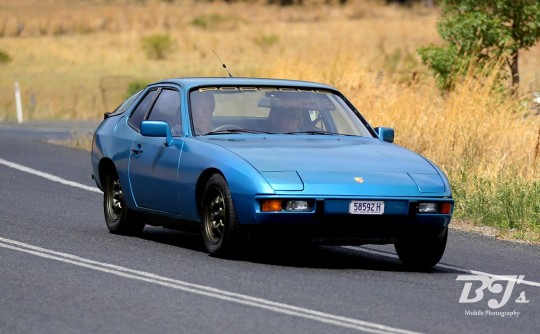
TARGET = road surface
(61,271)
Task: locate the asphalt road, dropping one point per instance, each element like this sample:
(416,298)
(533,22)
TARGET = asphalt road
(62,272)
(45,130)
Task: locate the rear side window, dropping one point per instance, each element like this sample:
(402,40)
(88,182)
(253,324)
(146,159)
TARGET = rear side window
(140,112)
(167,108)
(126,104)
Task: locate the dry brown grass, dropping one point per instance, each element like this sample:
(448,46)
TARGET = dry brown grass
(74,59)
(69,53)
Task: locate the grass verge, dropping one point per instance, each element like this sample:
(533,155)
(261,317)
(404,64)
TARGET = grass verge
(95,56)
(507,207)
(509,204)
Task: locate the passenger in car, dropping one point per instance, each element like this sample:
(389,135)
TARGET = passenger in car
(284,120)
(202,109)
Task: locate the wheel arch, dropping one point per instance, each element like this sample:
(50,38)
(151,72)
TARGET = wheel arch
(201,184)
(106,167)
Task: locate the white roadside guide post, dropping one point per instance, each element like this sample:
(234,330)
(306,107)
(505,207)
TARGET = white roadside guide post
(18,102)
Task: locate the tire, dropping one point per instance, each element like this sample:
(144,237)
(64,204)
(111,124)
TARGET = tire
(422,254)
(118,217)
(219,221)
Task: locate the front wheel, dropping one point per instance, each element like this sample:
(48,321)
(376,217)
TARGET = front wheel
(422,254)
(219,220)
(119,218)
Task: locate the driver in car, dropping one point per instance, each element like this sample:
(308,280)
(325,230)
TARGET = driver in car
(202,109)
(285,120)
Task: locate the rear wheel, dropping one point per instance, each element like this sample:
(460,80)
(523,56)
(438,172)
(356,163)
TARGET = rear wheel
(119,218)
(422,254)
(219,220)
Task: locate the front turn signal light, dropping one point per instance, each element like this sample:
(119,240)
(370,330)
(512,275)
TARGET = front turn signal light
(271,205)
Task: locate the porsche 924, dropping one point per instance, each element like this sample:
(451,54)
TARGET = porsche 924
(248,158)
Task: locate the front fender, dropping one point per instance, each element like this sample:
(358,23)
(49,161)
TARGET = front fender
(448,188)
(243,179)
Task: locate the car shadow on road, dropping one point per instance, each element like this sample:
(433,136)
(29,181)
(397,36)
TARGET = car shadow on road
(300,256)
(177,238)
(328,257)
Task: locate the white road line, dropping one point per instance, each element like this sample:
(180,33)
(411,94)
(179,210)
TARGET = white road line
(212,292)
(48,176)
(363,249)
(261,303)
(445,266)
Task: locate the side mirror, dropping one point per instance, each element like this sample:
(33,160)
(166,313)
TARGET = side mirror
(157,129)
(385,134)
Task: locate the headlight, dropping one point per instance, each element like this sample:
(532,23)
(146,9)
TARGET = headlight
(297,205)
(427,207)
(442,208)
(292,205)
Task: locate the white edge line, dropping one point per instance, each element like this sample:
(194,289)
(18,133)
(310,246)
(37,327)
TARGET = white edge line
(367,250)
(245,298)
(48,176)
(203,290)
(180,285)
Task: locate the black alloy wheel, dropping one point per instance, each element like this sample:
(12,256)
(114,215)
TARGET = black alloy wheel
(119,218)
(219,220)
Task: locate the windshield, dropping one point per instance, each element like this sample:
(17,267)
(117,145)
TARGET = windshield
(217,110)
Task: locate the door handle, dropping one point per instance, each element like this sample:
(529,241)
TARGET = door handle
(138,150)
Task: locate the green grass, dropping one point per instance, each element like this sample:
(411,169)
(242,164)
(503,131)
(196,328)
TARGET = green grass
(96,59)
(509,203)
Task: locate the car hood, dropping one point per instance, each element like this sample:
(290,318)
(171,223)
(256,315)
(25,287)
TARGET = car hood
(336,165)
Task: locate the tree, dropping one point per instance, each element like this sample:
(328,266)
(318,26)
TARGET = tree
(480,31)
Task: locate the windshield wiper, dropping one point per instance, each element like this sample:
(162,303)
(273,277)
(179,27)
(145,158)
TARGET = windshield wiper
(226,131)
(311,132)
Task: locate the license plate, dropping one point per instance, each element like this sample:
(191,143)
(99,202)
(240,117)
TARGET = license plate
(366,207)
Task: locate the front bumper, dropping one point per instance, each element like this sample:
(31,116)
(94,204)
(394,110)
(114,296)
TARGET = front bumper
(328,222)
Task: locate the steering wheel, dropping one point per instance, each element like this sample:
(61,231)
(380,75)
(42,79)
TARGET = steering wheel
(311,125)
(228,127)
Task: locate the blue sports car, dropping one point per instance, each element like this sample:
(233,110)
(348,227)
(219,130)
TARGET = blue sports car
(246,158)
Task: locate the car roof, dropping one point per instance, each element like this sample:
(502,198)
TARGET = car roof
(191,82)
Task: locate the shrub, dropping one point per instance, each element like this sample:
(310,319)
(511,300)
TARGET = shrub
(4,57)
(215,21)
(265,41)
(445,63)
(157,46)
